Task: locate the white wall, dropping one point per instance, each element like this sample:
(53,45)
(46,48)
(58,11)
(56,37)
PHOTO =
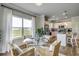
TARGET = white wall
(75,24)
(39,21)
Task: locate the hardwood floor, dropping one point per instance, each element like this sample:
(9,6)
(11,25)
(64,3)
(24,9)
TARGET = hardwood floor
(69,51)
(5,54)
(64,51)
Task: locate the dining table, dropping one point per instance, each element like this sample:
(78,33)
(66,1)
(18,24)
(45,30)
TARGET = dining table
(43,42)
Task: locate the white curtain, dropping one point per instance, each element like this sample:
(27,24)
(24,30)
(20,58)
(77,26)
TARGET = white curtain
(33,27)
(6,26)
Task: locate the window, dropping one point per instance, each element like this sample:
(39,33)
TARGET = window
(27,25)
(21,27)
(16,27)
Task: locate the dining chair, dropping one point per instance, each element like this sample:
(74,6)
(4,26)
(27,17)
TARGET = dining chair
(51,39)
(78,43)
(28,52)
(48,51)
(77,48)
(22,50)
(56,48)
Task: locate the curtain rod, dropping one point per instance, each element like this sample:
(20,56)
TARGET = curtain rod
(17,10)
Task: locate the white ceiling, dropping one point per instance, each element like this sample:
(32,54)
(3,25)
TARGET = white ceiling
(50,9)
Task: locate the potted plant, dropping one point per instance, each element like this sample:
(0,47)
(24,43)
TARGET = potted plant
(39,34)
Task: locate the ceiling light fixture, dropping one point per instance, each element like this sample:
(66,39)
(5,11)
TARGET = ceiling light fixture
(38,4)
(65,13)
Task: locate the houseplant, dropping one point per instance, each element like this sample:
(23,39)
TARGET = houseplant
(39,34)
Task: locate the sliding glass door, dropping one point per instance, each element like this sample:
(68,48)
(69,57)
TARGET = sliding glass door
(21,27)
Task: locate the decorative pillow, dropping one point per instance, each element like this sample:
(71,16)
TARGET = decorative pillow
(28,40)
